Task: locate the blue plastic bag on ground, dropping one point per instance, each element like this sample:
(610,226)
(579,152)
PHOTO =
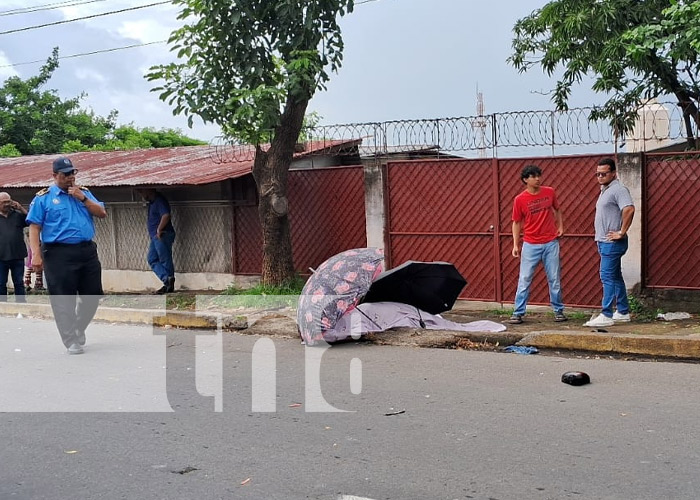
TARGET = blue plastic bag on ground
(521,349)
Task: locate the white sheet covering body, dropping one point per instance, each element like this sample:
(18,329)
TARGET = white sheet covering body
(380,316)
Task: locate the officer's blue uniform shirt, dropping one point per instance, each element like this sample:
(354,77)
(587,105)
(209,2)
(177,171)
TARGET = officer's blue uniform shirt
(62,218)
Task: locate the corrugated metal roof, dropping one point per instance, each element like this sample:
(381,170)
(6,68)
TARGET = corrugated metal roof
(187,165)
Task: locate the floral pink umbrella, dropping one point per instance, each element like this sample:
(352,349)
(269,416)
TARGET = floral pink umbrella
(335,288)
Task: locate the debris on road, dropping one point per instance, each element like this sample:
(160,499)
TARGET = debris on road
(576,378)
(391,413)
(184,471)
(673,316)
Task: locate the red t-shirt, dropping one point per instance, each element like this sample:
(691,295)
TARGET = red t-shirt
(537,212)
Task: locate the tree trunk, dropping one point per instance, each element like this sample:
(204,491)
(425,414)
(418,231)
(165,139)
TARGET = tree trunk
(270,171)
(690,116)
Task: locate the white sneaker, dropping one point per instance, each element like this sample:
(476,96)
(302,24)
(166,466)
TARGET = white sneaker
(621,318)
(599,321)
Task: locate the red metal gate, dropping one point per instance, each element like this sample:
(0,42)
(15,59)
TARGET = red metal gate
(444,210)
(458,210)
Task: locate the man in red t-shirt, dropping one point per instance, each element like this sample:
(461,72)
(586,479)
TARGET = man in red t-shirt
(536,214)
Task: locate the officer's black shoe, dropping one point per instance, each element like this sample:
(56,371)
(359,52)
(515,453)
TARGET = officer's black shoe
(170,285)
(161,290)
(75,349)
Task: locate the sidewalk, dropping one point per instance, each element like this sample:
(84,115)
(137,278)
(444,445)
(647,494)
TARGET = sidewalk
(674,339)
(652,338)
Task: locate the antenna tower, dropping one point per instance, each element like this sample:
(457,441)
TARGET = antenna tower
(480,124)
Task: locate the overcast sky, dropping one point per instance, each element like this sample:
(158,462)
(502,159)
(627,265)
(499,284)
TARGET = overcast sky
(403,59)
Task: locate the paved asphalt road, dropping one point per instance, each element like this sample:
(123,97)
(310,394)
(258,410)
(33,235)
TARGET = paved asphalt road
(125,421)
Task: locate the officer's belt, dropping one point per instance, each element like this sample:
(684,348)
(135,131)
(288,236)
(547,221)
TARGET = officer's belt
(79,244)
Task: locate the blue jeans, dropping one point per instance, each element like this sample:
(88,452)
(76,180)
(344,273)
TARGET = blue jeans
(614,289)
(530,257)
(16,269)
(160,256)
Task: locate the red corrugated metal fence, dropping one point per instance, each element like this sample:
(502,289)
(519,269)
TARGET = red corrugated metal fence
(327,216)
(458,210)
(671,219)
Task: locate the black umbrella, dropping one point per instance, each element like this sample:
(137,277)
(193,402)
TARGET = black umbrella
(429,286)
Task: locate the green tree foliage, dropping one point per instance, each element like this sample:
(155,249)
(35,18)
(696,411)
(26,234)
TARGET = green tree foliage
(634,49)
(9,151)
(131,137)
(31,119)
(37,121)
(251,66)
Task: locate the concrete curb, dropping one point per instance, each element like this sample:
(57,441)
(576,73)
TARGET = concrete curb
(672,346)
(178,319)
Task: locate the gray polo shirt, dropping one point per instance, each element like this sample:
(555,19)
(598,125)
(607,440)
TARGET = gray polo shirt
(608,210)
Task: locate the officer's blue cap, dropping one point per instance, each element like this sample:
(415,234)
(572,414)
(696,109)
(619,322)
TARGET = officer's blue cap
(63,165)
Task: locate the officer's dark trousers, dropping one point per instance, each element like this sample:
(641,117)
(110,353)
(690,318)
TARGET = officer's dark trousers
(74,280)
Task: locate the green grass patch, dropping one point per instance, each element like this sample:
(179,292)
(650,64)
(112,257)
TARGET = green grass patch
(500,312)
(181,301)
(641,311)
(576,315)
(508,312)
(259,296)
(292,287)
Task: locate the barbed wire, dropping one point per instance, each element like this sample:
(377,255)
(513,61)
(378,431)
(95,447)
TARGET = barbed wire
(659,124)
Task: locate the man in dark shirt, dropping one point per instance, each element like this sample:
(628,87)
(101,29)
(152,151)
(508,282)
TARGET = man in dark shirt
(13,218)
(162,237)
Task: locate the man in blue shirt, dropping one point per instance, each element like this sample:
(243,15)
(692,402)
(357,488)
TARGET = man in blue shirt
(162,236)
(61,230)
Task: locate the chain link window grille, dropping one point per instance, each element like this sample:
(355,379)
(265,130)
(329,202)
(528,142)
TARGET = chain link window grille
(202,244)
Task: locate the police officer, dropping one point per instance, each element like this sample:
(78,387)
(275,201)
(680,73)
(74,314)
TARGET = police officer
(61,218)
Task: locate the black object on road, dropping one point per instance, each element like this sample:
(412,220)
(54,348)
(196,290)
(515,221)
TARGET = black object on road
(576,378)
(429,286)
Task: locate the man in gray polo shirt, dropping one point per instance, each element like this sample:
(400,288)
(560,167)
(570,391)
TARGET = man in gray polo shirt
(614,212)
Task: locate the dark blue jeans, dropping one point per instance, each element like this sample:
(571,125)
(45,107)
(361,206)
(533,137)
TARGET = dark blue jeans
(614,289)
(160,256)
(16,269)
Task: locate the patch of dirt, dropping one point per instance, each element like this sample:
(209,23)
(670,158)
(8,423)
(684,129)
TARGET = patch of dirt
(273,325)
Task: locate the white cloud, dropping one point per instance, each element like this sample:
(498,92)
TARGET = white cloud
(145,31)
(6,71)
(88,75)
(127,19)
